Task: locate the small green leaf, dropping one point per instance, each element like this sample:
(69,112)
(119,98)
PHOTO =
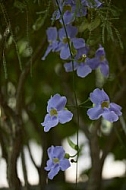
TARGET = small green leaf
(94,24)
(72,145)
(83,26)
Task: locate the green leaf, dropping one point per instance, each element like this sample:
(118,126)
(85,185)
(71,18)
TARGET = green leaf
(83,26)
(94,24)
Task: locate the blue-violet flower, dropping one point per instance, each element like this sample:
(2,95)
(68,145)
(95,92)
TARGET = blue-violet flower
(80,63)
(57,113)
(73,9)
(57,161)
(103,107)
(100,61)
(69,39)
(52,40)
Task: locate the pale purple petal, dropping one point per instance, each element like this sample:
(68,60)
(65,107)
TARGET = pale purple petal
(98,96)
(65,52)
(64,116)
(110,115)
(104,68)
(64,164)
(49,165)
(59,152)
(49,122)
(78,43)
(57,102)
(95,113)
(93,62)
(71,31)
(68,17)
(83,70)
(49,48)
(100,52)
(116,108)
(50,151)
(69,67)
(51,34)
(54,171)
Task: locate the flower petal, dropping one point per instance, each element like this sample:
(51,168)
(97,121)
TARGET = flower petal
(69,67)
(50,164)
(95,113)
(57,102)
(98,96)
(110,115)
(64,164)
(78,43)
(93,63)
(100,51)
(116,108)
(104,68)
(51,34)
(50,151)
(64,116)
(71,32)
(65,52)
(49,122)
(68,17)
(83,70)
(49,48)
(54,171)
(58,152)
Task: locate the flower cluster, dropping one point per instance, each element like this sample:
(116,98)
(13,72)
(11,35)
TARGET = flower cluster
(75,52)
(65,41)
(71,9)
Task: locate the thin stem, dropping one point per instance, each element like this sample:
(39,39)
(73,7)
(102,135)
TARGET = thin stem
(74,92)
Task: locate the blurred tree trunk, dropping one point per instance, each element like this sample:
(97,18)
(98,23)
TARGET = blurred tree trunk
(13,153)
(95,175)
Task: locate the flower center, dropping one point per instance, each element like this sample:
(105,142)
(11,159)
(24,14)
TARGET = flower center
(105,104)
(65,40)
(53,112)
(102,58)
(67,8)
(82,58)
(55,160)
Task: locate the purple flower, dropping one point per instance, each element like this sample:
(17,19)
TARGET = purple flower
(52,39)
(57,113)
(103,107)
(57,15)
(92,3)
(73,9)
(70,39)
(79,64)
(68,17)
(57,161)
(100,61)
